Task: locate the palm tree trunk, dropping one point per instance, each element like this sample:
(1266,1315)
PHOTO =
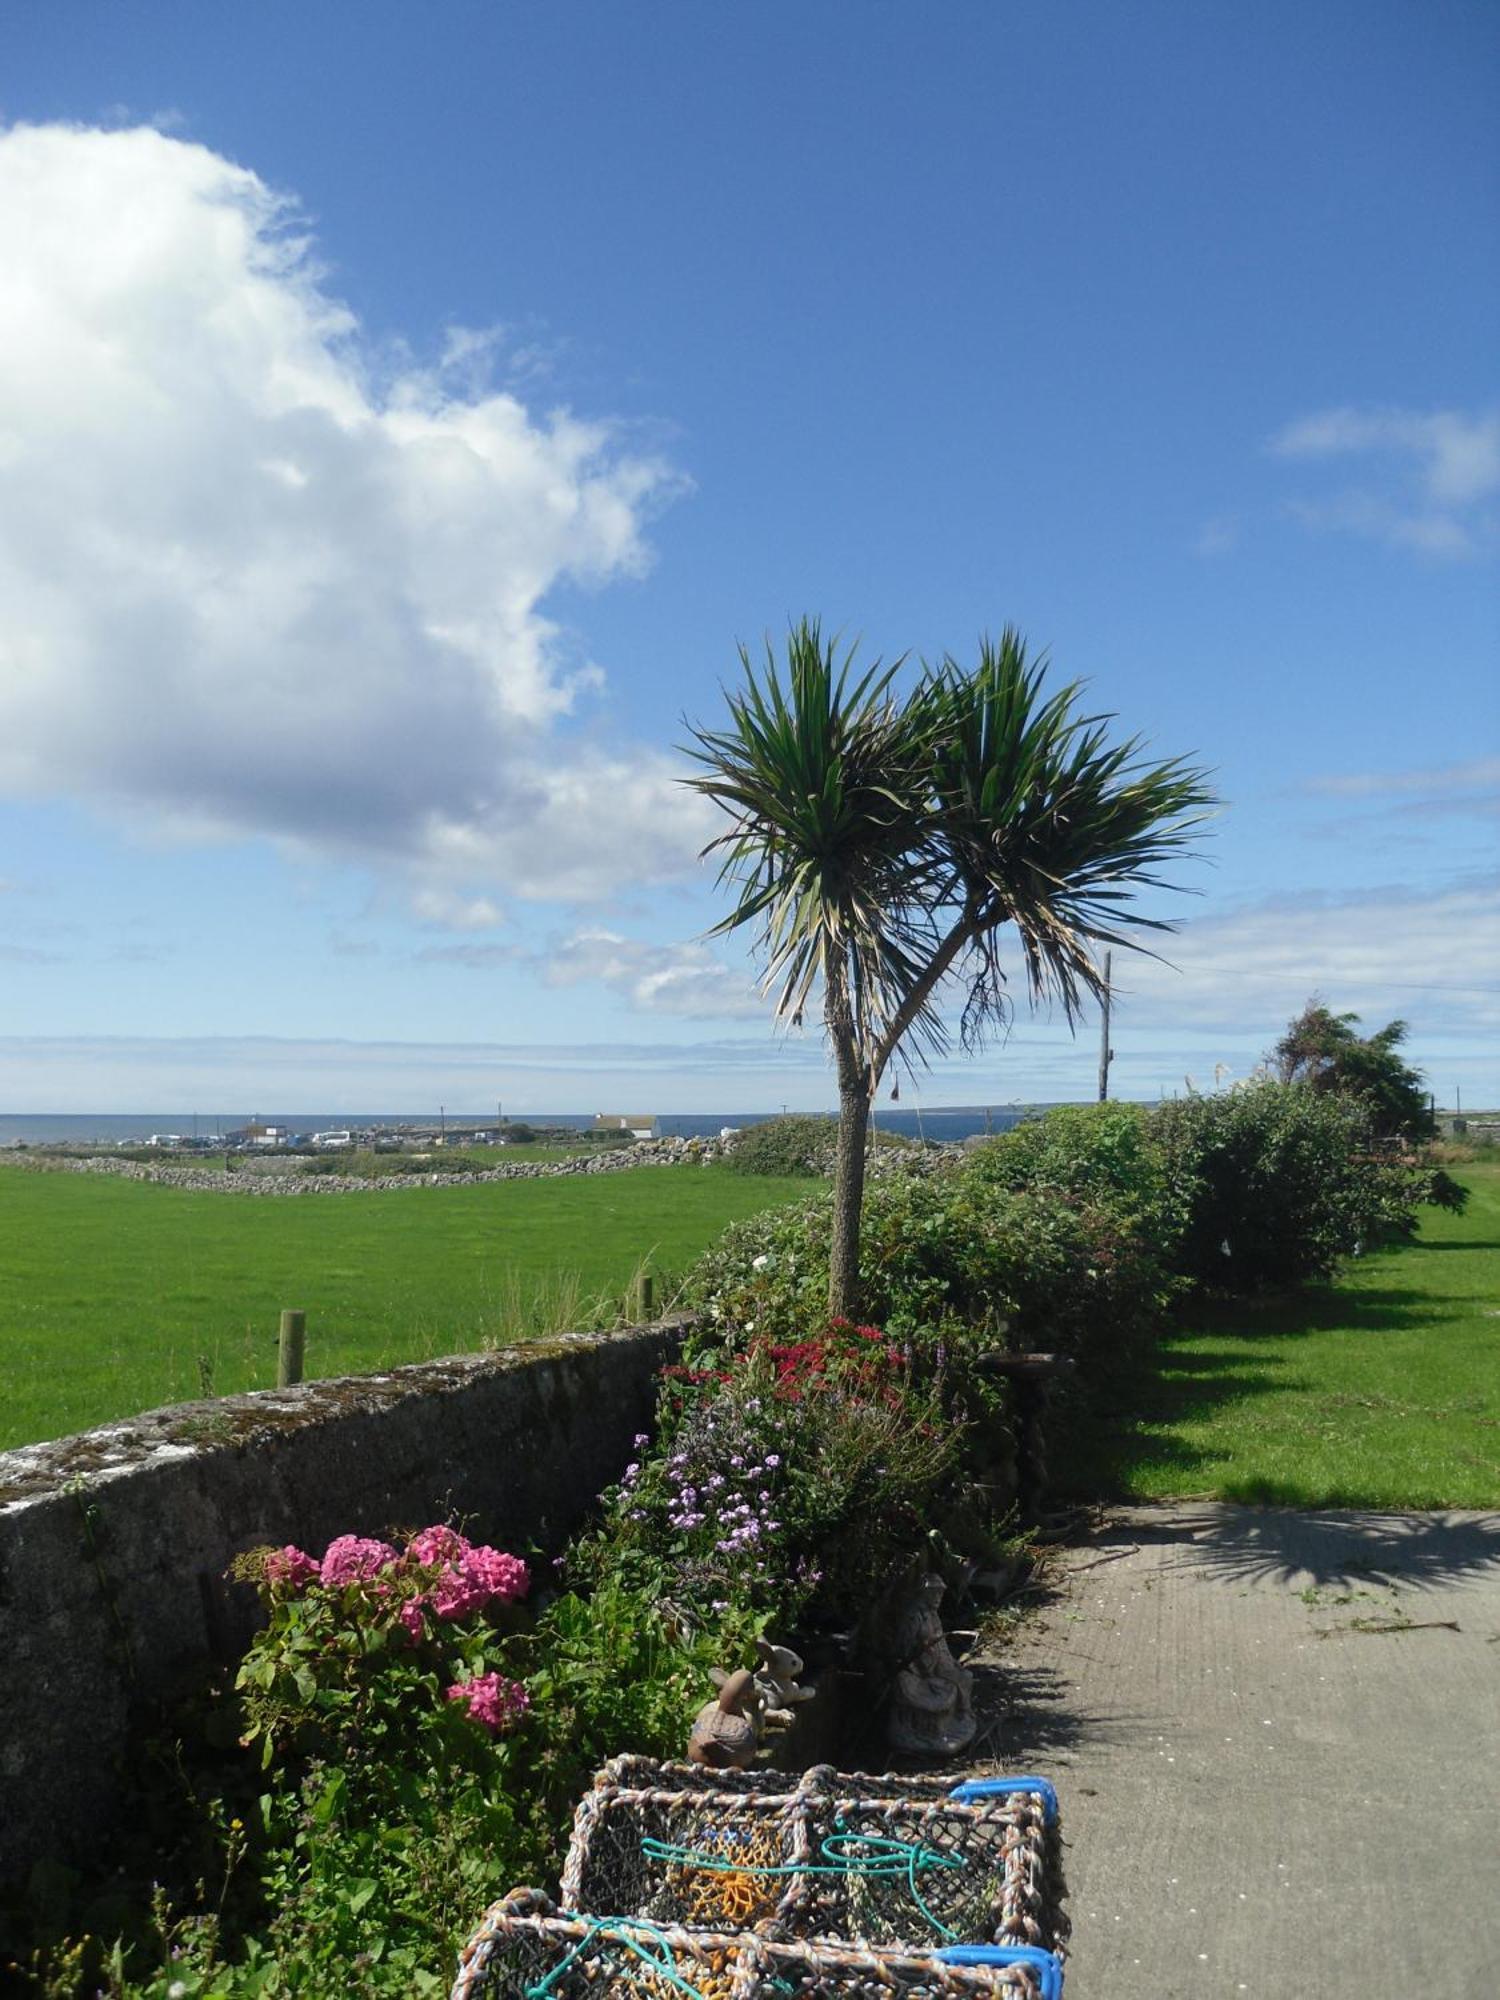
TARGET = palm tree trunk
(848,1200)
(855,1089)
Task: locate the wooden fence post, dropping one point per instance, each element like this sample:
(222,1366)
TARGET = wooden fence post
(289,1347)
(641,1305)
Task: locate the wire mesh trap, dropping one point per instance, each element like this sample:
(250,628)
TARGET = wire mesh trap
(526,1949)
(917,1864)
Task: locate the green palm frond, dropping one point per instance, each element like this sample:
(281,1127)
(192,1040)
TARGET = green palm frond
(1047,826)
(823,776)
(881,843)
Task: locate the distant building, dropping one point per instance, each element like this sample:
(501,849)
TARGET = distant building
(612,1121)
(256,1134)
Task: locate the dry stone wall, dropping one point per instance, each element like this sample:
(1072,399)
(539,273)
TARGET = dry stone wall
(114,1544)
(260,1176)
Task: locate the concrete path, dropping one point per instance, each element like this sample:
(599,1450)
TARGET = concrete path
(1279,1762)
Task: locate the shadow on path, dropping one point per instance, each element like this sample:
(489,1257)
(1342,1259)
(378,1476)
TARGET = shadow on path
(1320,1545)
(1028,1714)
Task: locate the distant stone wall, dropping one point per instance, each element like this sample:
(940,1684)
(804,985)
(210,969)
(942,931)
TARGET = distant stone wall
(114,1544)
(268,1174)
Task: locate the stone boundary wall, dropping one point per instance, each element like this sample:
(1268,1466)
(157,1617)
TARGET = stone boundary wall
(255,1179)
(114,1543)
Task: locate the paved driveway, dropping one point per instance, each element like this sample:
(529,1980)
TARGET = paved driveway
(1277,1740)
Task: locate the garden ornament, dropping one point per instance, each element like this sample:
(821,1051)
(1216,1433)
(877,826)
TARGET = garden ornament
(726,1732)
(931,1709)
(776,1683)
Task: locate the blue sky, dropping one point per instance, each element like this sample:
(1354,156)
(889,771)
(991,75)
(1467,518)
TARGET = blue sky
(404,413)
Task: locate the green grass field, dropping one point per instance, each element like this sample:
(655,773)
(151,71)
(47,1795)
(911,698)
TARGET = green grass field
(119,1296)
(1382,1390)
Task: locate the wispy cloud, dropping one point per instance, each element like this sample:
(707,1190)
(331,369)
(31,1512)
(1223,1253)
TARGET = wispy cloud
(233,1075)
(448,909)
(1381,802)
(1219,536)
(1429,482)
(1383,952)
(26,954)
(1480,775)
(684,980)
(477,957)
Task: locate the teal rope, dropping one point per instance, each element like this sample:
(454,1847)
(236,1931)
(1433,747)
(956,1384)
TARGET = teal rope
(638,1936)
(885,1857)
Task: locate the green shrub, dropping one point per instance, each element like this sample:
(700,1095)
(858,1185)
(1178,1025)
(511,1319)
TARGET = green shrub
(795,1146)
(1042,1267)
(1281,1184)
(1093,1152)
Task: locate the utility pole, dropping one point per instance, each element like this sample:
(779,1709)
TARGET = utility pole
(1106,1053)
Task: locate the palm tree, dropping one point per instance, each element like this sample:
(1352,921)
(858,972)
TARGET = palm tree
(881,843)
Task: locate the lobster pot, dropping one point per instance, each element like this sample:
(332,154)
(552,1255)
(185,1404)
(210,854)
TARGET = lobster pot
(914,1864)
(722,1860)
(526,1949)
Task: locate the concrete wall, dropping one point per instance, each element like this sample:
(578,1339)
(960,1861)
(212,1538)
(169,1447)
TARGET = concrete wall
(114,1544)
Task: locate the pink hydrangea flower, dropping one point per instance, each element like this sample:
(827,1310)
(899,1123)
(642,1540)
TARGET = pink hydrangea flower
(410,1615)
(482,1576)
(437,1545)
(494,1703)
(455,1595)
(503,1576)
(349,1558)
(292,1567)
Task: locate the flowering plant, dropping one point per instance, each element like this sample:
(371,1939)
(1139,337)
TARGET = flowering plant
(369,1627)
(786,1476)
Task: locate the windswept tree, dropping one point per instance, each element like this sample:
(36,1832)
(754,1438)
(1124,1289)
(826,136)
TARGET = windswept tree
(1322,1050)
(885,846)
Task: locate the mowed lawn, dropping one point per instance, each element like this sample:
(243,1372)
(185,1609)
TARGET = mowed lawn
(116,1296)
(1382,1390)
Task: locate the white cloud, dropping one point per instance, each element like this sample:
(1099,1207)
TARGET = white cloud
(685,980)
(249,587)
(1432,474)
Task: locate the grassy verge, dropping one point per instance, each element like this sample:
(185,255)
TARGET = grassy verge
(120,1296)
(1382,1390)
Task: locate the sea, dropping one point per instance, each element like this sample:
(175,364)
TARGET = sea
(948,1123)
